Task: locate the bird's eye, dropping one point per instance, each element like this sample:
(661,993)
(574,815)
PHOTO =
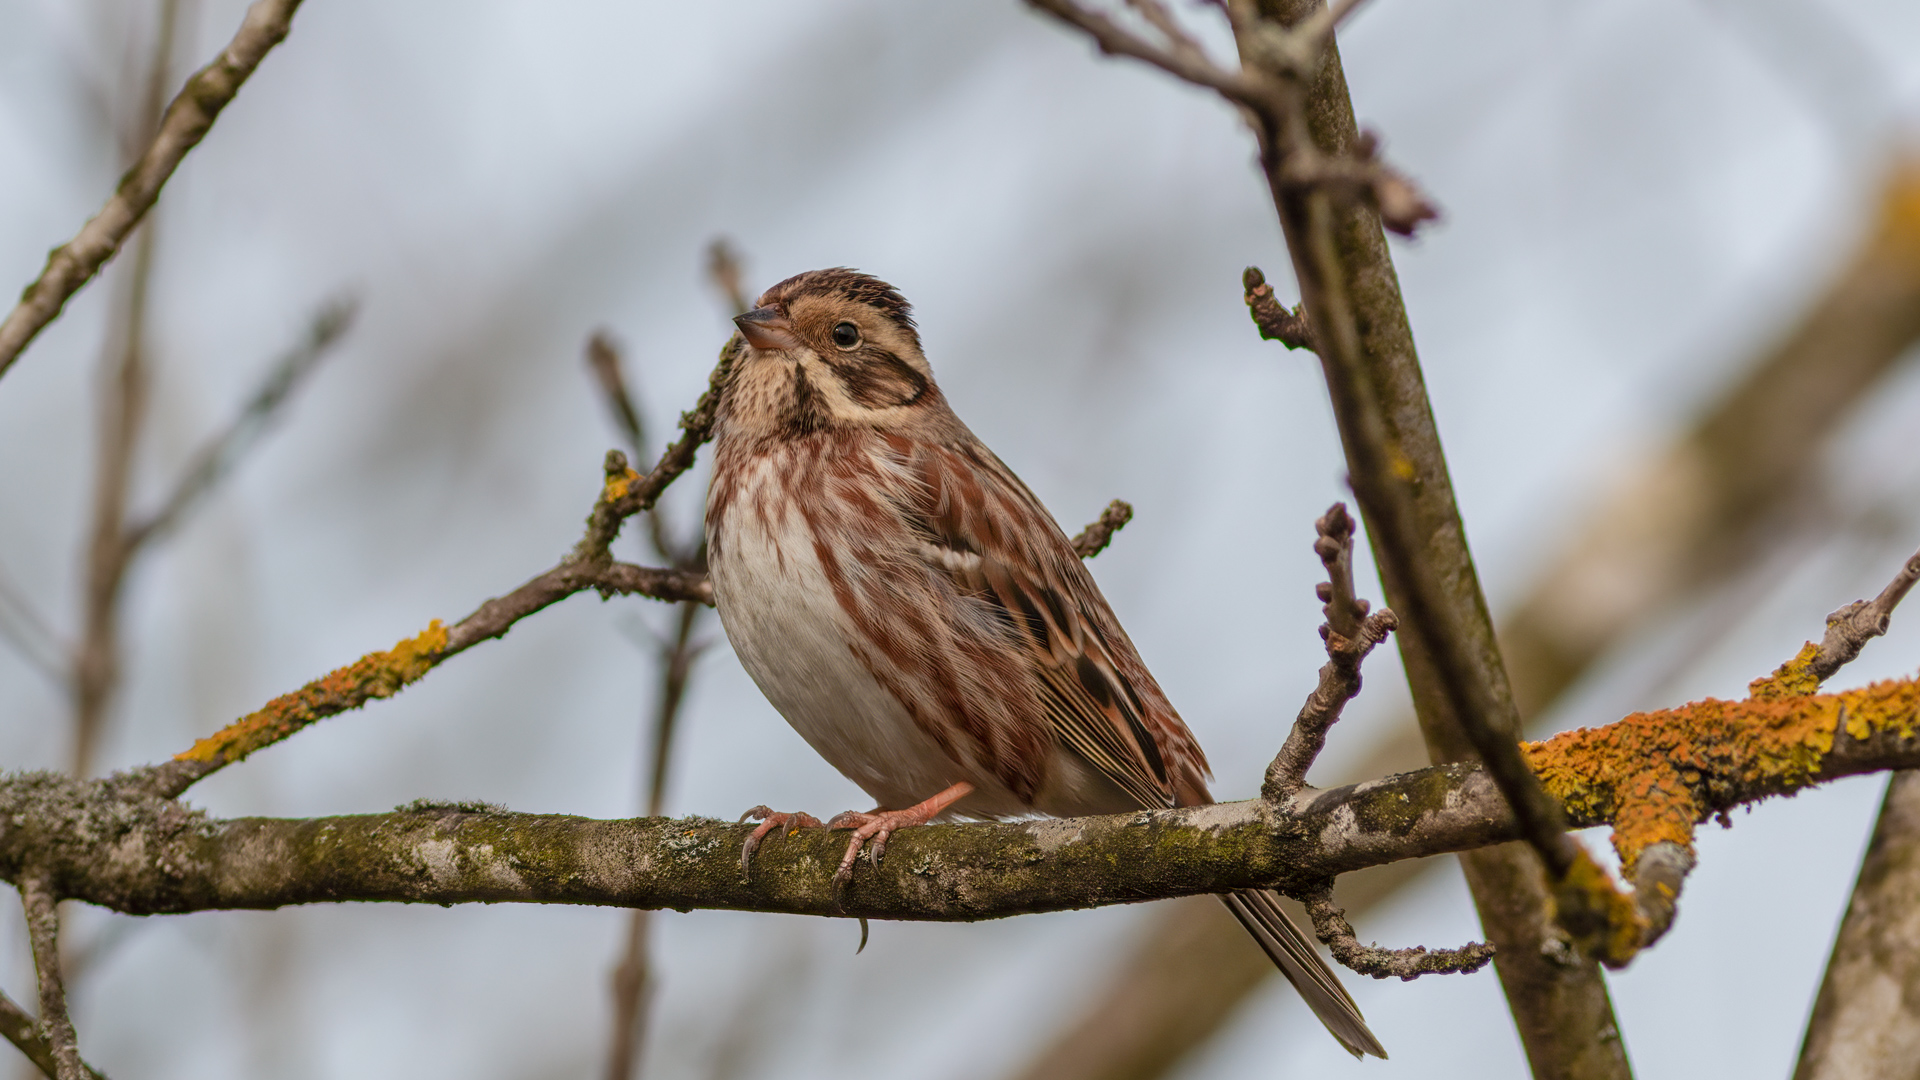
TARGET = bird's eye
(846,335)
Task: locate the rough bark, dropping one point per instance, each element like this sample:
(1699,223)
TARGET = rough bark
(1558,998)
(1866,1021)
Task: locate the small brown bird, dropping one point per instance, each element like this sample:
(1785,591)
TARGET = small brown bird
(916,614)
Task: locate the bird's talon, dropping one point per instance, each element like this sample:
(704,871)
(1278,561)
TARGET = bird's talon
(770,820)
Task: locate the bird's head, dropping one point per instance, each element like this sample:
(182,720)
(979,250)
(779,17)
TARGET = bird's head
(826,349)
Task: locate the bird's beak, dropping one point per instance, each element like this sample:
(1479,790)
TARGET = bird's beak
(767,328)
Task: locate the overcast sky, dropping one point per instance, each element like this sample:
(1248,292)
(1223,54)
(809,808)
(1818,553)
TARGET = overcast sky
(1637,196)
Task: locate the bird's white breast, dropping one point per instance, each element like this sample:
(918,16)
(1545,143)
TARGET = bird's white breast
(794,639)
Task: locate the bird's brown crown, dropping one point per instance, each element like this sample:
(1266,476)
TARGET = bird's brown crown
(827,349)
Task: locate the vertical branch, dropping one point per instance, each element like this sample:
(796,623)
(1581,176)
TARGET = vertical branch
(122,408)
(633,975)
(1360,328)
(43,929)
(1864,1024)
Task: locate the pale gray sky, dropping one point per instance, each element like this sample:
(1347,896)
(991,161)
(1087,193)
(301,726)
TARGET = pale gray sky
(1636,196)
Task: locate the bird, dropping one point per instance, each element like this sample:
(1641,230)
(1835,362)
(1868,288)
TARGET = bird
(917,615)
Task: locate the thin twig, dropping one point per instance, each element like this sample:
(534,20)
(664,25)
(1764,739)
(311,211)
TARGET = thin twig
(1850,628)
(726,271)
(1115,40)
(1331,926)
(604,359)
(1094,539)
(187,121)
(1350,633)
(32,637)
(218,455)
(122,413)
(633,980)
(24,1032)
(1275,322)
(43,929)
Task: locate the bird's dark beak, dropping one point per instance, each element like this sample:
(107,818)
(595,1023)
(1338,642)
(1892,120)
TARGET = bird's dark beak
(767,328)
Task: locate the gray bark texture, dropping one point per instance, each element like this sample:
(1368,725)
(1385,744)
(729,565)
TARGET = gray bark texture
(1866,1021)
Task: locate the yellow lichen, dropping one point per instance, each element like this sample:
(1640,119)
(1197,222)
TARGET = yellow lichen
(1603,920)
(617,485)
(1651,773)
(375,675)
(1795,678)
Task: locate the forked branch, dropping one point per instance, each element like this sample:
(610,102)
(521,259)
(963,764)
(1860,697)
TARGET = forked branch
(187,121)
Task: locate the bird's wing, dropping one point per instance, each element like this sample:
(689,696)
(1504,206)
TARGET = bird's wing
(980,526)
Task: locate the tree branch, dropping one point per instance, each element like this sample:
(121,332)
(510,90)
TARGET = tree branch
(116,843)
(26,1034)
(1350,633)
(187,121)
(1094,539)
(1330,923)
(217,456)
(589,565)
(43,930)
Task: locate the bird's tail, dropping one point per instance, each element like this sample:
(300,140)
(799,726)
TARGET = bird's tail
(1260,912)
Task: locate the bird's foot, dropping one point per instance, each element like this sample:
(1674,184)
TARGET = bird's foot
(770,820)
(877,826)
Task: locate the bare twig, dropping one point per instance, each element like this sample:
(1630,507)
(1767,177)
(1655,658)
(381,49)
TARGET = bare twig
(122,412)
(32,637)
(116,543)
(633,975)
(1115,40)
(633,980)
(1850,628)
(589,565)
(1350,633)
(1275,322)
(219,454)
(24,1032)
(187,121)
(1094,539)
(43,929)
(1330,924)
(603,358)
(724,269)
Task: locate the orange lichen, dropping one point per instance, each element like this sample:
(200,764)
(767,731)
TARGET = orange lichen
(375,675)
(617,485)
(1603,920)
(1795,678)
(1652,774)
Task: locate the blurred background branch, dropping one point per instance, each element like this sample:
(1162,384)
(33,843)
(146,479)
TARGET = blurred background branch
(1664,538)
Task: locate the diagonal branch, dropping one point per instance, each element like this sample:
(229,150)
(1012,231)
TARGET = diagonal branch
(43,930)
(1850,628)
(187,121)
(590,565)
(1094,539)
(217,457)
(25,1033)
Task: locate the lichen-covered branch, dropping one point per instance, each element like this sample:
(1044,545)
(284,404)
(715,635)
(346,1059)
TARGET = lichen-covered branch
(25,1033)
(43,933)
(590,565)
(1330,923)
(187,121)
(117,843)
